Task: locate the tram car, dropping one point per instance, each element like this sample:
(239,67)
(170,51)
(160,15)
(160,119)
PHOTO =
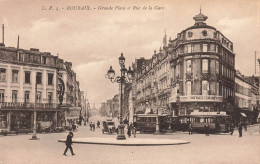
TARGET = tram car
(145,123)
(217,122)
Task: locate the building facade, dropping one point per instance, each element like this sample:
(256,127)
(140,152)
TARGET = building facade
(246,98)
(29,82)
(194,72)
(203,67)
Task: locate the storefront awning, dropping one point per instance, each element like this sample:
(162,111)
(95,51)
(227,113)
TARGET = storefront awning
(243,115)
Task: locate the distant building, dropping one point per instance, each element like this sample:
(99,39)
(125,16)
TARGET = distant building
(246,98)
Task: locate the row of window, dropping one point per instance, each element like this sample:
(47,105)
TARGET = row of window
(207,66)
(27,76)
(242,103)
(207,88)
(189,48)
(242,90)
(26,96)
(36,59)
(211,66)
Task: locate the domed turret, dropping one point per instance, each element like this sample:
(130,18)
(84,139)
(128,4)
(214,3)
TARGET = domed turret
(200,19)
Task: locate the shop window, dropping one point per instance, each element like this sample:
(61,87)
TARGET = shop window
(14,96)
(2,74)
(2,95)
(205,66)
(14,76)
(27,77)
(27,97)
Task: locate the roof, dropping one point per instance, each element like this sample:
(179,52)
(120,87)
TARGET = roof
(200,17)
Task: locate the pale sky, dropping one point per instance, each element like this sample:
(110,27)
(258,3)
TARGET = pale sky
(94,39)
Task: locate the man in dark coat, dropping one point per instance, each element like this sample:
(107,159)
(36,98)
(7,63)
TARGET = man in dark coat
(190,128)
(240,129)
(206,128)
(129,129)
(231,129)
(68,144)
(90,125)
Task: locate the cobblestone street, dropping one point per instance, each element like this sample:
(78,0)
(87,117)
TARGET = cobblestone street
(217,148)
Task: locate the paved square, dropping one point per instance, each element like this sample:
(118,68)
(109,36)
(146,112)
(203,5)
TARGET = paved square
(221,148)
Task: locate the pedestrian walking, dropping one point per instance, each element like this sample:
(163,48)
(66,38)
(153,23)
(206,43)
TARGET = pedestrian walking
(90,125)
(98,124)
(231,129)
(190,129)
(93,127)
(240,129)
(206,129)
(129,131)
(245,127)
(134,131)
(68,144)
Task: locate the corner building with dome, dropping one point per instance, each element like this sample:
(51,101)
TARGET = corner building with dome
(202,62)
(192,74)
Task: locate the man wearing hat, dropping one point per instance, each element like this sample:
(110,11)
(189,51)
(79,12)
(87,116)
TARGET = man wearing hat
(68,144)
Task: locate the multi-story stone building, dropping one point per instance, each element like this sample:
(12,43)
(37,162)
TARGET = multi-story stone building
(28,83)
(194,72)
(202,64)
(72,99)
(246,98)
(111,107)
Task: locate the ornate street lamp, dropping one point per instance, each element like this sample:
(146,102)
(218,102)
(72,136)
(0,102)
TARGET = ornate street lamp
(125,77)
(34,136)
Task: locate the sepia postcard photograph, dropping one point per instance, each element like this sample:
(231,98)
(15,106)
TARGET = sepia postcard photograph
(130,81)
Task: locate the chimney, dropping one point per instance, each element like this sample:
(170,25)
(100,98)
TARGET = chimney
(34,49)
(3,34)
(18,42)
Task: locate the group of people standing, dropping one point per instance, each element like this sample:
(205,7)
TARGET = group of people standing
(131,129)
(93,126)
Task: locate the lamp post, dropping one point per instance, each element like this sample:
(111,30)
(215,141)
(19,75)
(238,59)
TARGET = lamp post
(34,136)
(125,77)
(60,92)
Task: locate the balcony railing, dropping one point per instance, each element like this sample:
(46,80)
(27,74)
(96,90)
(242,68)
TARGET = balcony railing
(198,98)
(19,106)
